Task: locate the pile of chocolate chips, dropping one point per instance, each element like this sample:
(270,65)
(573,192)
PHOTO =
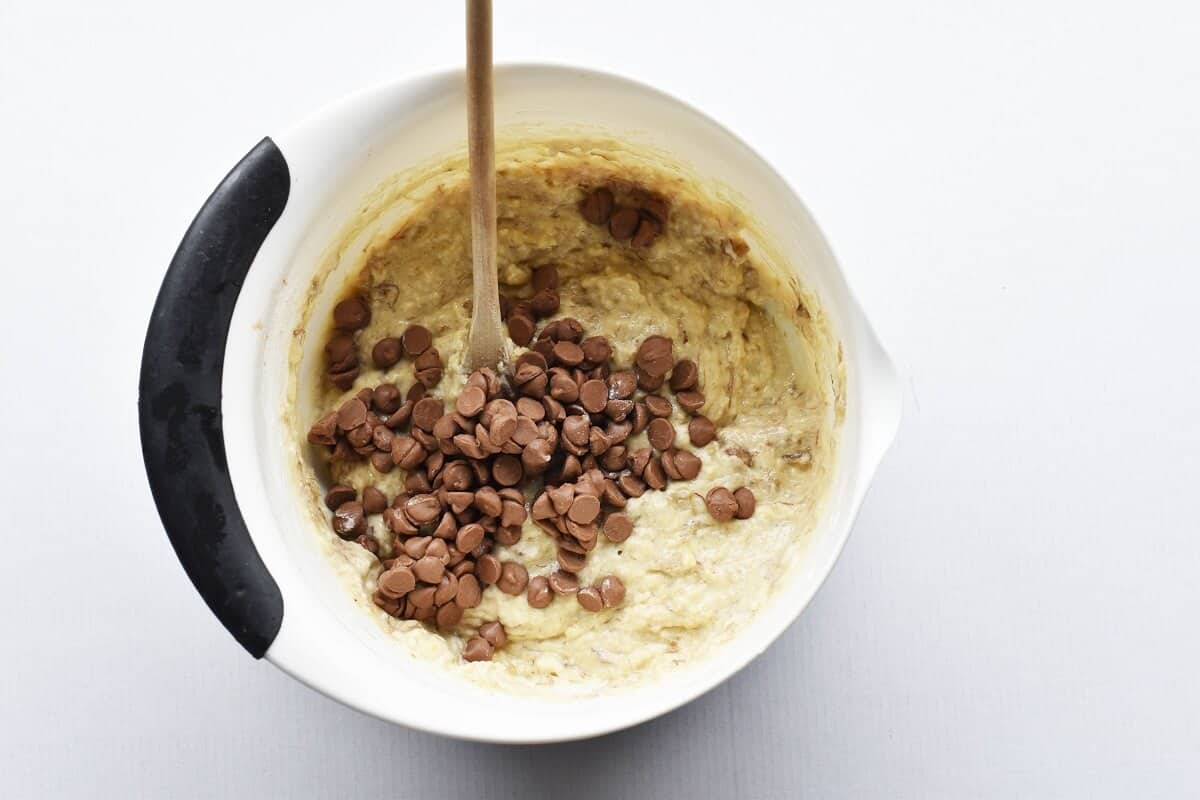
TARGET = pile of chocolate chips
(559,435)
(639,221)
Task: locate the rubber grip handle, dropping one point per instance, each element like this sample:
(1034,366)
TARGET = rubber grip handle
(179,398)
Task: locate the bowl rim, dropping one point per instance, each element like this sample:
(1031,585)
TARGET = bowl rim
(293,656)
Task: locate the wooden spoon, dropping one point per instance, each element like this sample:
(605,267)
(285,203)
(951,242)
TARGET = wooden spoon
(487,345)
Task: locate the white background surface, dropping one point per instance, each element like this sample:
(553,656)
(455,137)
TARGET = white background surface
(1014,190)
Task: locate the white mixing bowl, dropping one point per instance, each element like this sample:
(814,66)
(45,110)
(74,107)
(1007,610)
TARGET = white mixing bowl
(219,451)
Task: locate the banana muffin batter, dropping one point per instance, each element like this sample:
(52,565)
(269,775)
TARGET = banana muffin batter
(706,377)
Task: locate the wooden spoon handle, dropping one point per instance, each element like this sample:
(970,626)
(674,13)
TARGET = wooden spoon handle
(487,346)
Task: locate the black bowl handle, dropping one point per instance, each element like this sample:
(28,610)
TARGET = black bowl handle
(179,398)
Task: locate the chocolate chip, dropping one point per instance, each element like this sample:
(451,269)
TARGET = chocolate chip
(427,411)
(647,231)
(324,430)
(396,582)
(570,561)
(529,408)
(631,485)
(593,395)
(368,543)
(661,434)
(690,401)
(650,383)
(423,508)
(459,501)
(568,353)
(531,380)
(359,437)
(386,352)
(338,495)
(381,461)
(722,505)
(438,549)
(545,277)
(563,387)
(374,501)
(654,475)
(684,375)
(385,398)
(398,523)
(447,590)
(447,528)
(614,459)
(416,339)
(493,632)
(488,501)
(536,456)
(563,583)
(468,446)
(352,414)
(502,429)
(499,407)
(428,368)
(341,353)
(513,514)
(342,451)
(617,527)
(667,459)
(488,568)
(654,356)
(415,392)
(345,379)
(618,410)
(520,329)
(569,329)
(612,591)
(688,464)
(584,509)
(448,615)
(407,452)
(469,593)
(469,537)
(589,597)
(624,223)
(525,432)
(575,430)
(745,502)
(653,206)
(402,415)
(471,401)
(701,430)
(478,649)
(622,384)
(657,405)
(597,206)
(554,409)
(538,594)
(507,470)
(429,569)
(596,350)
(638,459)
(641,418)
(349,520)
(598,442)
(513,578)
(545,302)
(352,314)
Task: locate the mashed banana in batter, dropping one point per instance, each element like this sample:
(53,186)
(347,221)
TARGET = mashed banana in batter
(769,368)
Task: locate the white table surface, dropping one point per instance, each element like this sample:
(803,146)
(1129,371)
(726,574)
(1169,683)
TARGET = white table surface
(1014,190)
